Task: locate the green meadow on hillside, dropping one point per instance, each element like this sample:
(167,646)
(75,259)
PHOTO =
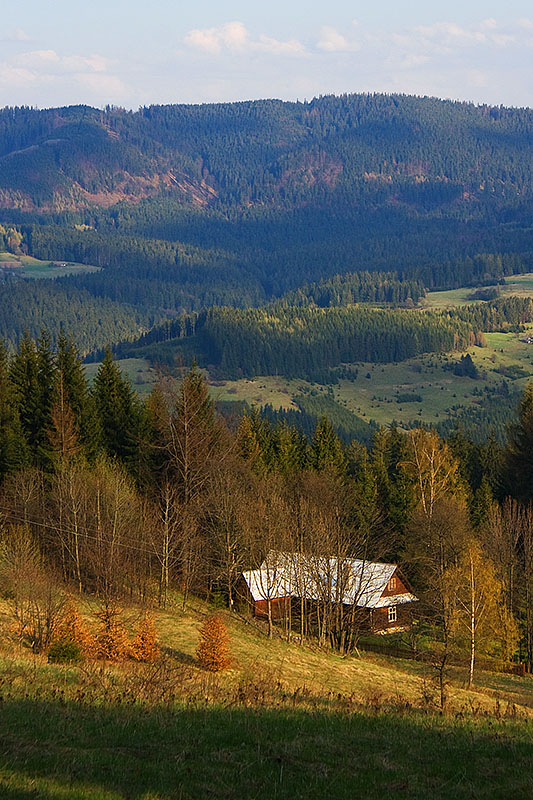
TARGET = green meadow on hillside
(424,388)
(139,371)
(515,286)
(30,267)
(283,722)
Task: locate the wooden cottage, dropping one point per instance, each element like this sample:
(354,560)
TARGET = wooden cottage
(379,593)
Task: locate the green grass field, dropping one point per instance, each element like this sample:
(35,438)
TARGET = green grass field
(277,392)
(515,286)
(284,722)
(437,394)
(137,370)
(375,397)
(30,267)
(373,394)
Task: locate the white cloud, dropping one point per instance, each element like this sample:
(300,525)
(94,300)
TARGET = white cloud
(450,32)
(234,37)
(17,35)
(39,70)
(16,76)
(332,41)
(37,59)
(290,47)
(410,61)
(95,63)
(105,85)
(206,40)
(488,32)
(43,60)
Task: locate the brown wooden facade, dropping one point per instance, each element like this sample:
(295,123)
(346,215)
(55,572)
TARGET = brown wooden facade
(377,620)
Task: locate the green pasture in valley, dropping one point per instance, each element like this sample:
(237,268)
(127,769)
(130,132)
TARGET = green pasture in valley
(29,267)
(515,286)
(424,388)
(137,370)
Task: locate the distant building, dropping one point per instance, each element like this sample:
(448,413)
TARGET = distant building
(377,590)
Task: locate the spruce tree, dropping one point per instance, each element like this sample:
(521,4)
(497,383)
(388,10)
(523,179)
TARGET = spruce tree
(327,451)
(195,437)
(520,450)
(71,387)
(32,372)
(117,411)
(14,452)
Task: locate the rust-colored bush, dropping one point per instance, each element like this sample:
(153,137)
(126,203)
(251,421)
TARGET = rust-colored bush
(72,628)
(144,646)
(213,648)
(112,643)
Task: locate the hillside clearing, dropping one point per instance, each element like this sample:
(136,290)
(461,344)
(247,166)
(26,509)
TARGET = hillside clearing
(432,392)
(30,267)
(284,722)
(515,286)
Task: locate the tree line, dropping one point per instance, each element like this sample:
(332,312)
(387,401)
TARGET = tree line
(309,342)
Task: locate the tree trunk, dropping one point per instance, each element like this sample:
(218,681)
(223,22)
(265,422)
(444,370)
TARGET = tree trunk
(472,623)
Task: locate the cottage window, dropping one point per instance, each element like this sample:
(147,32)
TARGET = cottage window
(392,583)
(392,613)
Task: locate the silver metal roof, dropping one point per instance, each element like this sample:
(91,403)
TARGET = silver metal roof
(342,580)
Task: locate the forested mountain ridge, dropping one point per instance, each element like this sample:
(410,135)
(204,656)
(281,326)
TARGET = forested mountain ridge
(421,152)
(238,205)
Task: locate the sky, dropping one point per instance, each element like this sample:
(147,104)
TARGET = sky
(132,53)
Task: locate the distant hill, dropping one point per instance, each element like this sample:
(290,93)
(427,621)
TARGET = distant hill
(420,153)
(189,207)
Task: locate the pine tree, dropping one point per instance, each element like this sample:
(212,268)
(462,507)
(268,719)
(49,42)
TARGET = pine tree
(72,382)
(520,450)
(23,371)
(117,411)
(327,448)
(14,452)
(63,433)
(213,648)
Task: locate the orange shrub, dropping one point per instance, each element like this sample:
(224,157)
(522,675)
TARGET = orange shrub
(144,647)
(213,648)
(72,628)
(112,643)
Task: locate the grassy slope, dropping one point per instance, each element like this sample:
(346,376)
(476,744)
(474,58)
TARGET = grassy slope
(515,286)
(374,397)
(138,370)
(284,722)
(34,268)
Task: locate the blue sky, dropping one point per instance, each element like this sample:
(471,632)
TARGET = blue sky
(132,53)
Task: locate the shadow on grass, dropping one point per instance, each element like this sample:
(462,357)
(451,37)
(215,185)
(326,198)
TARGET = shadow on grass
(55,750)
(178,655)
